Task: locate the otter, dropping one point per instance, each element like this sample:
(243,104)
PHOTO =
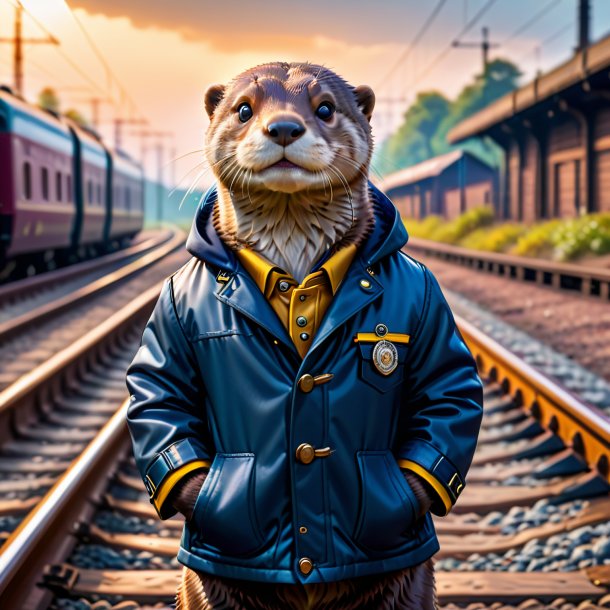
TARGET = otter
(290,145)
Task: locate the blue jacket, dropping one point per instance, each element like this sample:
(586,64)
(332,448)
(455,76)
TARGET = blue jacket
(218,378)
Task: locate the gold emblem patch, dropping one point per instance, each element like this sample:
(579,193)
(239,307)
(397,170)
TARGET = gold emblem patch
(385,357)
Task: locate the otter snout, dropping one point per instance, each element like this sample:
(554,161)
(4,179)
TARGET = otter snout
(284,130)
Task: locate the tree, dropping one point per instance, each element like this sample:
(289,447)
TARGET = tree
(412,142)
(48,99)
(423,133)
(499,78)
(77,117)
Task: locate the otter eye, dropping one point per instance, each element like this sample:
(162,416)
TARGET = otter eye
(325,111)
(245,112)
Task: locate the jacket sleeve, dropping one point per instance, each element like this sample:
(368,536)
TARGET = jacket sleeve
(166,416)
(443,407)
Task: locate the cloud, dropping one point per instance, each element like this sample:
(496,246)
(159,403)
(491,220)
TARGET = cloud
(234,25)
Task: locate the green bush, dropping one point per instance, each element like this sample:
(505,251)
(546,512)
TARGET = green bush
(537,241)
(568,239)
(560,239)
(423,228)
(493,239)
(589,234)
(451,232)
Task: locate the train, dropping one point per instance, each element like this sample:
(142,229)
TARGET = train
(64,194)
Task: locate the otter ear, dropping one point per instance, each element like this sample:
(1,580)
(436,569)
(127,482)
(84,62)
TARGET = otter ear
(365,98)
(212,98)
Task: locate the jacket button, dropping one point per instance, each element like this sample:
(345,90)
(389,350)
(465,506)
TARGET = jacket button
(305,453)
(305,565)
(306,383)
(302,321)
(283,285)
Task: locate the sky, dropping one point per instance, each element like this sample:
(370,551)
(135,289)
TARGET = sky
(152,60)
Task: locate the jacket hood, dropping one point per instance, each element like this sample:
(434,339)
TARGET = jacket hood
(388,235)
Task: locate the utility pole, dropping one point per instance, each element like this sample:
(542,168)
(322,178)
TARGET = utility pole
(18,41)
(584,20)
(159,147)
(118,129)
(484,45)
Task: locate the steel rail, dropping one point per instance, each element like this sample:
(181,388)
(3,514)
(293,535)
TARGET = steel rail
(582,427)
(590,281)
(46,532)
(46,529)
(12,289)
(18,400)
(18,325)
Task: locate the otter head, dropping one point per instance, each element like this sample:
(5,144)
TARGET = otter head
(290,144)
(289,127)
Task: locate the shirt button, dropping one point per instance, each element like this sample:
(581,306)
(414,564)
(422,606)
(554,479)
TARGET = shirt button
(302,321)
(305,565)
(283,285)
(304,336)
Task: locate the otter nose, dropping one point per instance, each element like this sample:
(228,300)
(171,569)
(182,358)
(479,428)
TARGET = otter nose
(285,132)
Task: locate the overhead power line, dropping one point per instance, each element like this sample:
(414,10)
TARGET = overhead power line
(420,34)
(530,22)
(110,74)
(473,21)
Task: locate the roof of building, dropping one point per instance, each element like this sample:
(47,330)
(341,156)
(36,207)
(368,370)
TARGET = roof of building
(420,171)
(582,65)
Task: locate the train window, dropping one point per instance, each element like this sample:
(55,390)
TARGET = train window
(127,198)
(27,180)
(99,194)
(68,188)
(58,186)
(89,192)
(44,174)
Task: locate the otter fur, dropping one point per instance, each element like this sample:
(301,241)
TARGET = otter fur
(290,185)
(290,145)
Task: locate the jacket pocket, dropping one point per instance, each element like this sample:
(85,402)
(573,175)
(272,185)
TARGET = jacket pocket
(224,515)
(388,507)
(371,375)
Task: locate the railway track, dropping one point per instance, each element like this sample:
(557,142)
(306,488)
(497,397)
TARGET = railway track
(20,296)
(530,530)
(32,335)
(586,280)
(71,375)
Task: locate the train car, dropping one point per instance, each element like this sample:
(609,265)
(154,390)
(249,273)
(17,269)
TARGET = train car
(37,206)
(91,175)
(125,198)
(63,194)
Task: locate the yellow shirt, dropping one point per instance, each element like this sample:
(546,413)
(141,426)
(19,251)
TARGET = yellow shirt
(300,307)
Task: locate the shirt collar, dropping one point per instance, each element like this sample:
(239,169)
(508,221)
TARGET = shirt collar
(260,268)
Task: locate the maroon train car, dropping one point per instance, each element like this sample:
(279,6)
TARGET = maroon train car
(37,206)
(62,192)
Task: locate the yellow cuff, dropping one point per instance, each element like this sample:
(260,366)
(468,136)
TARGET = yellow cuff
(173,478)
(434,482)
